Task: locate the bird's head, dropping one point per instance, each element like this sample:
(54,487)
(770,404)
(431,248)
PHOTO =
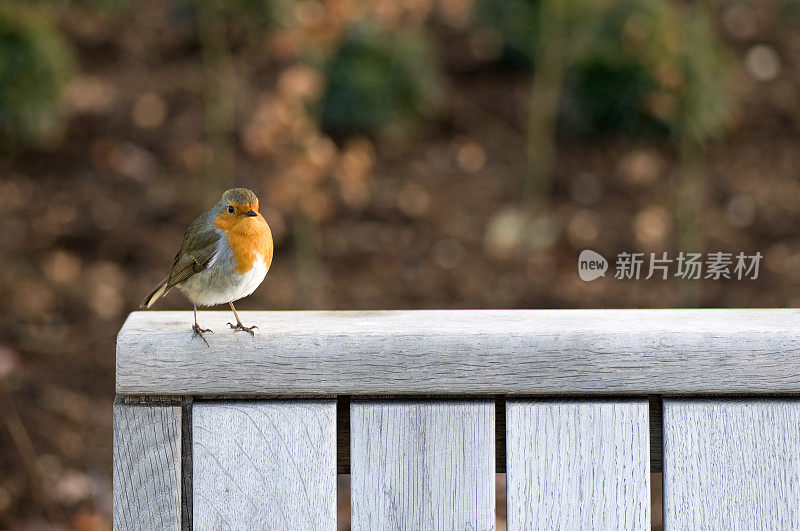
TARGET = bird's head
(236,207)
(238,202)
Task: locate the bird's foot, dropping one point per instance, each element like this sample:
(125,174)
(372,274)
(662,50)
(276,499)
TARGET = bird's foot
(200,331)
(240,326)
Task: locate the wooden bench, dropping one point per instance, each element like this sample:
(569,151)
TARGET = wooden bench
(423,407)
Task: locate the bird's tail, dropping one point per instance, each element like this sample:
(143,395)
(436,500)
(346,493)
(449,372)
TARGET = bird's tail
(159,292)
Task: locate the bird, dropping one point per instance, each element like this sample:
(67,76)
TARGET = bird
(224,256)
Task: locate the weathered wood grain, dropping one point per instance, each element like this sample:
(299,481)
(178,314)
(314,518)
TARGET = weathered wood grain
(481,352)
(731,464)
(147,466)
(264,465)
(422,465)
(577,465)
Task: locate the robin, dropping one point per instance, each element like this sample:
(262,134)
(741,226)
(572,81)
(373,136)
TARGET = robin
(224,257)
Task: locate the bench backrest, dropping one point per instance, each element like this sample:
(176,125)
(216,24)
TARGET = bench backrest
(423,407)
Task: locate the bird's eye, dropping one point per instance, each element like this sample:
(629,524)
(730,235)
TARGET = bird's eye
(230,209)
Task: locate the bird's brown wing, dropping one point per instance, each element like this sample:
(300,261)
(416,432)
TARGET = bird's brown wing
(197,250)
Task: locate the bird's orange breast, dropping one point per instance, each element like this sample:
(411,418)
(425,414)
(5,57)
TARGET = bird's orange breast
(249,238)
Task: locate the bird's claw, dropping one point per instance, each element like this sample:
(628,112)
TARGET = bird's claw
(240,326)
(200,331)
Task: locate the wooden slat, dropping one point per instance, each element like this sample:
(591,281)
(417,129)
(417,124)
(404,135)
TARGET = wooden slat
(484,352)
(422,465)
(147,466)
(264,465)
(732,464)
(577,465)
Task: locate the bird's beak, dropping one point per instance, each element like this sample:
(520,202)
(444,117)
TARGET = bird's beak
(251,213)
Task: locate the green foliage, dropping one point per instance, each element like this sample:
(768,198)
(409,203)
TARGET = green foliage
(378,79)
(252,15)
(108,6)
(35,64)
(789,9)
(240,19)
(634,67)
(607,97)
(516,22)
(704,104)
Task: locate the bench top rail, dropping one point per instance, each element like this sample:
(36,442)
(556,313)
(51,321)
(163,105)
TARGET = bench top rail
(464,352)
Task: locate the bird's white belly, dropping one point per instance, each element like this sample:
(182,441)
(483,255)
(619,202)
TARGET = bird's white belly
(221,283)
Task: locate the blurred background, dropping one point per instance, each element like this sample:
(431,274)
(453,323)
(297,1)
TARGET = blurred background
(407,154)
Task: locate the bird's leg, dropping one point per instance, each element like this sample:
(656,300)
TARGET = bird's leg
(200,331)
(239,325)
